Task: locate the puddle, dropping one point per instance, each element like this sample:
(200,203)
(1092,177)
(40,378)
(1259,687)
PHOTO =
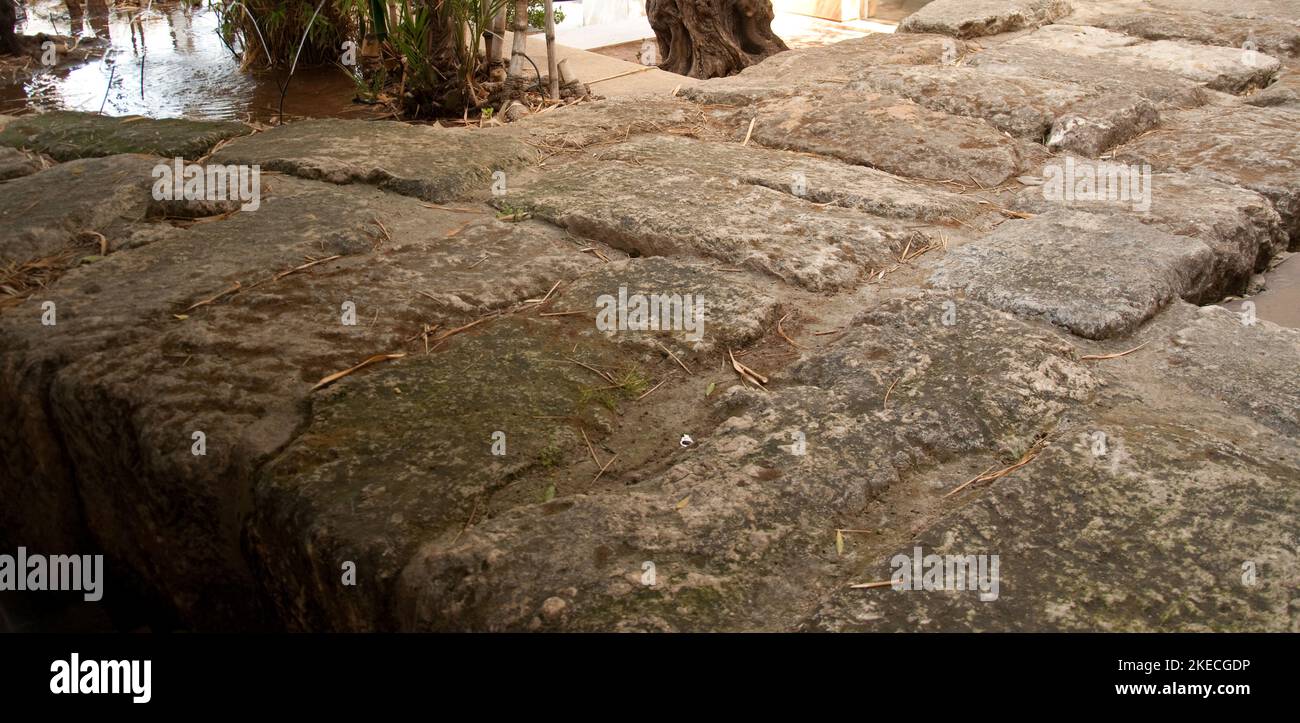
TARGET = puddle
(1280,301)
(170,63)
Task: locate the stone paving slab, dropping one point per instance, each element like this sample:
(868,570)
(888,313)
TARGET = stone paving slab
(739,529)
(1283,94)
(1061,115)
(1096,276)
(427,162)
(67,135)
(392,459)
(1135,516)
(925,144)
(32,228)
(668,212)
(1064,57)
(1273,36)
(827,66)
(132,353)
(816,179)
(1224,69)
(1246,364)
(1263,10)
(603,120)
(15,163)
(1257,148)
(1023,107)
(1155,542)
(977,18)
(879,397)
(713,311)
(1239,225)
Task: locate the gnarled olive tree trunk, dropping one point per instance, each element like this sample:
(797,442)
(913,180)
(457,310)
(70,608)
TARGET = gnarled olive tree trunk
(712,38)
(8,18)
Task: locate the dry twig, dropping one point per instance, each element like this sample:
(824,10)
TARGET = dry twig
(781,331)
(745,372)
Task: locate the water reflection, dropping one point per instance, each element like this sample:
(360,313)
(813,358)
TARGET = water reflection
(164,59)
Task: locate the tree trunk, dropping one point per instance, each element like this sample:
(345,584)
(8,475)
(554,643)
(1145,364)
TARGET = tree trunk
(8,19)
(497,41)
(551,60)
(519,40)
(712,38)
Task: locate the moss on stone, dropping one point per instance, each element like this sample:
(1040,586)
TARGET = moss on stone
(67,135)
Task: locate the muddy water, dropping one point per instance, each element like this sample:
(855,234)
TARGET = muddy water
(1280,301)
(165,59)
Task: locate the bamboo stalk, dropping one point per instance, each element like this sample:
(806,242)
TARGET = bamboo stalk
(551,62)
(519,45)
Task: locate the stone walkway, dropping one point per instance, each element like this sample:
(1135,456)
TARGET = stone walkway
(872,230)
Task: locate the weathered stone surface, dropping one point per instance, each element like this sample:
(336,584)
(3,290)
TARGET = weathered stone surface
(1132,17)
(733,310)
(116,389)
(739,529)
(923,143)
(603,120)
(1062,115)
(66,135)
(485,264)
(1098,124)
(977,18)
(1155,541)
(1081,40)
(671,212)
(1070,55)
(96,194)
(1116,55)
(1227,69)
(1136,515)
(15,163)
(827,66)
(1263,10)
(815,179)
(1248,366)
(427,162)
(894,396)
(1098,276)
(1024,107)
(1239,225)
(1284,94)
(1257,148)
(392,459)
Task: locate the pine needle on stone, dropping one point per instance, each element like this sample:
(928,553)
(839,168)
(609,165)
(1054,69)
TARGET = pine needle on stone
(233,288)
(339,375)
(987,476)
(602,469)
(674,356)
(1099,357)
